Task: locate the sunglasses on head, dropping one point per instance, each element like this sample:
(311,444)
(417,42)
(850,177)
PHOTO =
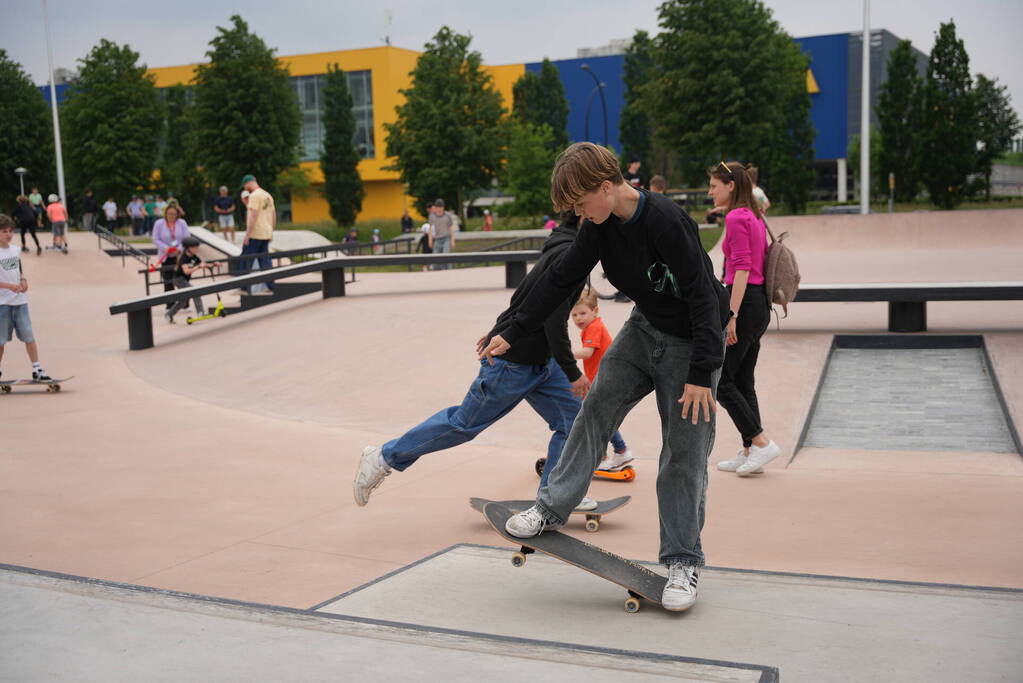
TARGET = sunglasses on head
(727,170)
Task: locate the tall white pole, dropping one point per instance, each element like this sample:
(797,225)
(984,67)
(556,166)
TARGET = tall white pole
(865,115)
(53,106)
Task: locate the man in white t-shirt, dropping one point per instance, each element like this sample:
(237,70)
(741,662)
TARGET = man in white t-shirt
(14,315)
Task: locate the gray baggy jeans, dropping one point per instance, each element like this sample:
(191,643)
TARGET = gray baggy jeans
(642,359)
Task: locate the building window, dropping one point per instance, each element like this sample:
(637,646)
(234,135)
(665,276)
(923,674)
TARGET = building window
(309,90)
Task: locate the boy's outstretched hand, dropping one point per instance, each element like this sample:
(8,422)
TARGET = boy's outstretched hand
(497,347)
(697,398)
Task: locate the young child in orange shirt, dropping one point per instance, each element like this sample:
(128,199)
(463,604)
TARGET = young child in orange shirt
(596,341)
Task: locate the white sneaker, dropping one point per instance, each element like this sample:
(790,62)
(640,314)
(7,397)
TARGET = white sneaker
(369,475)
(615,461)
(680,590)
(733,463)
(758,457)
(586,504)
(530,523)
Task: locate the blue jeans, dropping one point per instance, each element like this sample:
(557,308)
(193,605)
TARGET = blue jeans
(442,245)
(641,360)
(261,250)
(496,390)
(618,443)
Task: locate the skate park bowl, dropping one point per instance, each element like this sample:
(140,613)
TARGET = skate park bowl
(205,483)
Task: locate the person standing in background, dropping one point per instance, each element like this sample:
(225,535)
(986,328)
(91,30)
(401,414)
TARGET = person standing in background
(631,174)
(406,222)
(110,212)
(90,211)
(488,220)
(260,221)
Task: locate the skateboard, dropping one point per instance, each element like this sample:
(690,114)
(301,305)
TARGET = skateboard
(52,386)
(592,516)
(624,474)
(639,581)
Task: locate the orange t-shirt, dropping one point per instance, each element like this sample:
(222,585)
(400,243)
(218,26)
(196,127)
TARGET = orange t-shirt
(596,337)
(56,212)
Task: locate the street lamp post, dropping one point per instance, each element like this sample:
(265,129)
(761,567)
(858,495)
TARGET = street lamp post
(589,101)
(53,108)
(21,171)
(600,90)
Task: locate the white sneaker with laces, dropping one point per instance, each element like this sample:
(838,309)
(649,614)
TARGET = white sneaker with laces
(680,590)
(369,475)
(758,457)
(615,461)
(530,523)
(586,504)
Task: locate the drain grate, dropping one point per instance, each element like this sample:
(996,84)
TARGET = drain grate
(911,399)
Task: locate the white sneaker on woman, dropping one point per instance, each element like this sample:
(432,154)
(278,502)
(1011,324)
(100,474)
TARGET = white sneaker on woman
(733,464)
(680,590)
(758,457)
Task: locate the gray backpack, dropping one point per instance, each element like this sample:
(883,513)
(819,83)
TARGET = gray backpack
(782,272)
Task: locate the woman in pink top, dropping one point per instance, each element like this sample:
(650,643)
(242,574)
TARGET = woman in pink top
(168,235)
(745,249)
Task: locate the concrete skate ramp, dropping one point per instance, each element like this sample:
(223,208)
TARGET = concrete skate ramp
(812,628)
(283,240)
(56,627)
(929,246)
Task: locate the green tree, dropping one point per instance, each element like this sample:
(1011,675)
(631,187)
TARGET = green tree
(635,127)
(342,185)
(527,175)
(179,167)
(26,134)
(899,111)
(448,137)
(949,129)
(540,100)
(246,114)
(111,123)
(997,125)
(732,85)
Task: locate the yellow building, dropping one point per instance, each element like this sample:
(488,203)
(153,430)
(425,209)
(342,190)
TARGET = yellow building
(375,75)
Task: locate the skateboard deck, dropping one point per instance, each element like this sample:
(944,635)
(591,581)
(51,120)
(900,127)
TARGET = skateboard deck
(624,474)
(52,386)
(639,581)
(592,516)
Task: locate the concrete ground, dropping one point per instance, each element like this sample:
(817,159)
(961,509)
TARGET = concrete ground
(220,462)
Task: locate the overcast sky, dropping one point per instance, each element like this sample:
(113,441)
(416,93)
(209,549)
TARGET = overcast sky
(172,33)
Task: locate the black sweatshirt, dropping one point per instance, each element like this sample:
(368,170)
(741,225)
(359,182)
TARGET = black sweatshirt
(660,232)
(550,335)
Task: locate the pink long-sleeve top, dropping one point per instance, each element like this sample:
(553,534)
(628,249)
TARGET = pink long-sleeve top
(744,246)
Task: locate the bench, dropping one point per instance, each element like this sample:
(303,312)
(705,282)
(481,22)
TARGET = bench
(907,301)
(332,270)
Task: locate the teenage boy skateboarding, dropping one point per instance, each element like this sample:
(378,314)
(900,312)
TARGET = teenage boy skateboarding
(672,345)
(14,315)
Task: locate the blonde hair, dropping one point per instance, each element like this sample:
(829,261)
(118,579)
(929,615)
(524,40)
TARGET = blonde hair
(588,297)
(580,169)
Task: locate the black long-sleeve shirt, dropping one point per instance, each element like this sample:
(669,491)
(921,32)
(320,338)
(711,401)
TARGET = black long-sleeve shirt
(660,232)
(550,336)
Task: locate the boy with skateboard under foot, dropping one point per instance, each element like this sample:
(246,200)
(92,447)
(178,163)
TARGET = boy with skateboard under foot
(672,345)
(14,300)
(553,387)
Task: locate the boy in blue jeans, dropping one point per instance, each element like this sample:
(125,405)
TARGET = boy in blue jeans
(14,315)
(553,387)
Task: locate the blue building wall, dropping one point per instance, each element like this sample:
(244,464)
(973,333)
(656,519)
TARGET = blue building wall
(61,92)
(578,87)
(829,57)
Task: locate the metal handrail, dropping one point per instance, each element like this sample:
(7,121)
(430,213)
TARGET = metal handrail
(126,248)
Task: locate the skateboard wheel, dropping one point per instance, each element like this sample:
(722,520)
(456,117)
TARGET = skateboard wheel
(592,525)
(50,389)
(6,390)
(540,464)
(518,559)
(632,605)
(56,388)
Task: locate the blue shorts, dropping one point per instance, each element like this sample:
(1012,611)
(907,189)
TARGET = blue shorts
(15,319)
